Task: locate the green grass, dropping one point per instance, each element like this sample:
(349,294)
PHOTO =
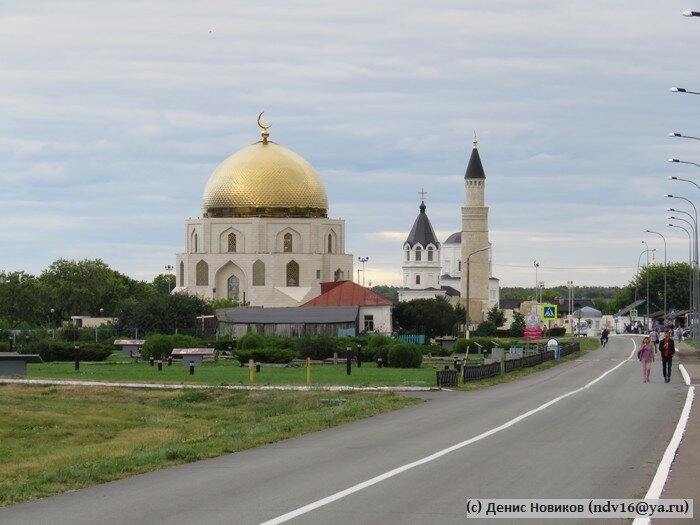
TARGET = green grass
(120,369)
(54,439)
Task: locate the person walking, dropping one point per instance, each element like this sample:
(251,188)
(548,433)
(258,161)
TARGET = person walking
(679,334)
(654,338)
(667,349)
(646,357)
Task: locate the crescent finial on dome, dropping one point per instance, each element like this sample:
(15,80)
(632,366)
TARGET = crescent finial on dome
(475,141)
(265,127)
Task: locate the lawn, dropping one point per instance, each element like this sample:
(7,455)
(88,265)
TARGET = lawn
(54,439)
(229,372)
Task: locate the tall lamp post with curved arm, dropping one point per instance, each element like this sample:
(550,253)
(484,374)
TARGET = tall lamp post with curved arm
(646,309)
(695,326)
(665,285)
(690,264)
(469,257)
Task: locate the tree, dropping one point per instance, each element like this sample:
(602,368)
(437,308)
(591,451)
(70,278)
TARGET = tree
(164,283)
(496,316)
(677,278)
(432,317)
(20,300)
(162,313)
(517,327)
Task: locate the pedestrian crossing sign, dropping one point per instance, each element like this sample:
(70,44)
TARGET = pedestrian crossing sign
(634,314)
(549,312)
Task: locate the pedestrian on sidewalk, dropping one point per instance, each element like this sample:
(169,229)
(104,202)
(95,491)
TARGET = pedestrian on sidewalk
(646,356)
(654,338)
(667,349)
(679,334)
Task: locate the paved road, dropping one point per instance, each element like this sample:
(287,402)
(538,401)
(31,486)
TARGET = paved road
(603,441)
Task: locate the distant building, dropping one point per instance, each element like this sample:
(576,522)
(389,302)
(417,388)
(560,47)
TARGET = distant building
(375,310)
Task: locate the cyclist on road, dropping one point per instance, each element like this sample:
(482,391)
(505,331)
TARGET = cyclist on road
(604,337)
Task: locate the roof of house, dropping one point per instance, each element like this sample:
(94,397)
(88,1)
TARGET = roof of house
(290,315)
(129,342)
(192,351)
(347,293)
(422,232)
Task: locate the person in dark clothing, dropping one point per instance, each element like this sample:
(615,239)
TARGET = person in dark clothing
(667,349)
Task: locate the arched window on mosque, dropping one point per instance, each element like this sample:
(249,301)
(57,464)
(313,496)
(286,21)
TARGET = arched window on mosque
(182,273)
(202,273)
(459,266)
(430,253)
(258,273)
(231,242)
(418,252)
(330,243)
(196,249)
(338,275)
(288,242)
(292,273)
(408,253)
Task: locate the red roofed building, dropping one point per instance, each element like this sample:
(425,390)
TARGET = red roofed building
(375,309)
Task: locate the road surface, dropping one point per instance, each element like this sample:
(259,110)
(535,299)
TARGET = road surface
(565,432)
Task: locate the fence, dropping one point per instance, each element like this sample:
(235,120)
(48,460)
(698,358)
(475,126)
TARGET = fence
(416,339)
(472,373)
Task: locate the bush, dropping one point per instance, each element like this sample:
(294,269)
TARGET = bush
(486,328)
(405,355)
(556,331)
(460,346)
(265,355)
(157,346)
(379,341)
(51,350)
(251,340)
(319,347)
(280,342)
(186,341)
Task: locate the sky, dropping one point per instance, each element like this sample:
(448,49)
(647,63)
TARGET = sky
(115,114)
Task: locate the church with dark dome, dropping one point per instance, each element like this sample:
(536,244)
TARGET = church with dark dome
(264,238)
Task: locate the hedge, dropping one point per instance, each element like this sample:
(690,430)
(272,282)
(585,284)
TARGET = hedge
(265,355)
(51,350)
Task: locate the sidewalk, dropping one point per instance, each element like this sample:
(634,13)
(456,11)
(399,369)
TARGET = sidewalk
(682,481)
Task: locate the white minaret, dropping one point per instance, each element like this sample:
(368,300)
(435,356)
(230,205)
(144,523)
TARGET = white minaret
(476,261)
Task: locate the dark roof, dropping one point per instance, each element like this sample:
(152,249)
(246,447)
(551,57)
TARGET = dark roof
(14,356)
(455,238)
(449,291)
(422,232)
(291,315)
(509,304)
(474,169)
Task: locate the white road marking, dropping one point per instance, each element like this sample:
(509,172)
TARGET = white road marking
(685,375)
(390,474)
(657,484)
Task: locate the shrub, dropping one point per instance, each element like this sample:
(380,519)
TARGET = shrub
(486,328)
(157,346)
(319,347)
(251,340)
(280,342)
(379,341)
(556,331)
(460,346)
(266,355)
(186,341)
(51,350)
(405,355)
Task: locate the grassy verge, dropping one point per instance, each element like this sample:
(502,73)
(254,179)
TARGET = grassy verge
(230,373)
(54,439)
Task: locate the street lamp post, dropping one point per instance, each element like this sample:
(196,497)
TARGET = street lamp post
(682,136)
(570,286)
(690,264)
(680,89)
(469,258)
(53,324)
(695,326)
(363,260)
(536,265)
(665,284)
(169,268)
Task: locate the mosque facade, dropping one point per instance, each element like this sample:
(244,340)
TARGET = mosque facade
(264,237)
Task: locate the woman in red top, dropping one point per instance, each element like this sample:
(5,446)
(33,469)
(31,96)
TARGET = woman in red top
(667,349)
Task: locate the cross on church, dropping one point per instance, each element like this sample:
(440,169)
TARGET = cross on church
(422,194)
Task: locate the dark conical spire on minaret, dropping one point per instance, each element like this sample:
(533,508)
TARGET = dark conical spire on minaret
(474,169)
(422,232)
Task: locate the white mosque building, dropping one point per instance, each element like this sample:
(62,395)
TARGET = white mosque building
(264,238)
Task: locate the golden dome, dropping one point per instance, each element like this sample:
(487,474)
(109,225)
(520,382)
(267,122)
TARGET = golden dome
(265,180)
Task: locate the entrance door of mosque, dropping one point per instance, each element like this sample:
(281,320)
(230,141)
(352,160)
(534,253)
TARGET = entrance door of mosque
(234,286)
